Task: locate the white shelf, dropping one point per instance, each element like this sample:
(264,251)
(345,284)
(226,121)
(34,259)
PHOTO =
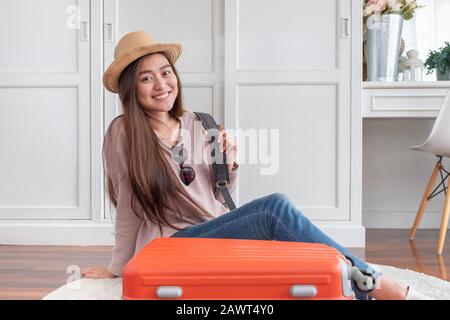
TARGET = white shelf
(405,84)
(403,99)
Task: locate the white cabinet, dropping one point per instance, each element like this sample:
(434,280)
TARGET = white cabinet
(284,67)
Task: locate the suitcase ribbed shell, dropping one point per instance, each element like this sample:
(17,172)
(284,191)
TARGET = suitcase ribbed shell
(209,269)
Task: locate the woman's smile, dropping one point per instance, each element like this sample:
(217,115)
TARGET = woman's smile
(163,96)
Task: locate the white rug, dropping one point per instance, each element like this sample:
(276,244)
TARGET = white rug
(111,289)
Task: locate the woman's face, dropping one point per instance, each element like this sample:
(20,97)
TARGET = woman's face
(156,86)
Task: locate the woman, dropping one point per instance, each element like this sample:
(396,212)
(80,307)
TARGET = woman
(160,193)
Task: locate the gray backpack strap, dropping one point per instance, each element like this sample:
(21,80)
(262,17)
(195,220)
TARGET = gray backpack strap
(219,165)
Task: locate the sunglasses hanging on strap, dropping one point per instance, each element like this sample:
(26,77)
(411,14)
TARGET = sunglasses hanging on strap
(220,166)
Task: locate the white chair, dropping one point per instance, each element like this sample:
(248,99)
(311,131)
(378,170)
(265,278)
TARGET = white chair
(438,143)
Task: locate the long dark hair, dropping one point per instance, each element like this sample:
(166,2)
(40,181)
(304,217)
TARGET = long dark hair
(152,188)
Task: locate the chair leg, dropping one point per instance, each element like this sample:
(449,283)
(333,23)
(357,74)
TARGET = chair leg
(444,223)
(424,202)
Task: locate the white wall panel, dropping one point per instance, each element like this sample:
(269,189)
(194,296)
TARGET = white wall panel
(292,35)
(306,166)
(187,22)
(39,142)
(199,98)
(33,42)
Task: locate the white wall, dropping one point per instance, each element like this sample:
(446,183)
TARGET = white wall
(394,177)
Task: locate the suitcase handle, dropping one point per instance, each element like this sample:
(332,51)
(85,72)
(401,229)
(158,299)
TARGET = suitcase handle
(169,292)
(303,291)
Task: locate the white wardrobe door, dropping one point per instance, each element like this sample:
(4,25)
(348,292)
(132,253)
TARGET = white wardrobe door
(195,24)
(44,110)
(287,88)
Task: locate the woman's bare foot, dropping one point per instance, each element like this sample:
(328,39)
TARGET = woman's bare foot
(388,289)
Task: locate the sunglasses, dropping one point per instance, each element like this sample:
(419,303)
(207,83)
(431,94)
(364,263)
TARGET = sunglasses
(180,155)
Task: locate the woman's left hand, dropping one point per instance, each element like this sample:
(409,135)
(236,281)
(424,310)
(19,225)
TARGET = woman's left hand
(228,144)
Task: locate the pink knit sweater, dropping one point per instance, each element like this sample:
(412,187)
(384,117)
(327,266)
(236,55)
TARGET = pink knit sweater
(132,233)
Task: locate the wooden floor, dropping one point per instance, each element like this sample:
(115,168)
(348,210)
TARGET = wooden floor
(31,272)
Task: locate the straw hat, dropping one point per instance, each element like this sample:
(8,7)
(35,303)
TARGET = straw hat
(131,47)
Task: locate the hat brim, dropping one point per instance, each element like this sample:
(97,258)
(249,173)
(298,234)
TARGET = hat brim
(112,74)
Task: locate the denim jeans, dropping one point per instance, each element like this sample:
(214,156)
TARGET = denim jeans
(273,217)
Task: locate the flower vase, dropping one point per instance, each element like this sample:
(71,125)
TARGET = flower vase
(383,42)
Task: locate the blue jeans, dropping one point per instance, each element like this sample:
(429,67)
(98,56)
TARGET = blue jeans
(273,217)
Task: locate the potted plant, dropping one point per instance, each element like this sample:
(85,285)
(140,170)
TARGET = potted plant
(439,60)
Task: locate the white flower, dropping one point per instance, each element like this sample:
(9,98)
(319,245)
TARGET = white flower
(368,11)
(395,5)
(375,6)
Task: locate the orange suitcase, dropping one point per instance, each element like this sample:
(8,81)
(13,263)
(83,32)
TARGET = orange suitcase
(231,269)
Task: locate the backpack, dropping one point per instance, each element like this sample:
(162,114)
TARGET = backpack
(220,168)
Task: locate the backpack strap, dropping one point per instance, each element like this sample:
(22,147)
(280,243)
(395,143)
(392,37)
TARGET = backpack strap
(220,167)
